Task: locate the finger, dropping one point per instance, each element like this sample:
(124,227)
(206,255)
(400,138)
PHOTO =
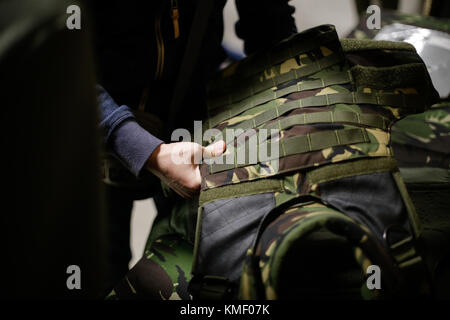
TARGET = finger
(214,150)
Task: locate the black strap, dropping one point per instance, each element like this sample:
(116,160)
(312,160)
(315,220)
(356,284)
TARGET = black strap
(211,288)
(197,32)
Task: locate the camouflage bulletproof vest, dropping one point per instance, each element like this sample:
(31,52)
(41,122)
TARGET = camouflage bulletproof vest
(333,103)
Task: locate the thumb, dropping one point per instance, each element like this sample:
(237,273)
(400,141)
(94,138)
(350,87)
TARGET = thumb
(214,150)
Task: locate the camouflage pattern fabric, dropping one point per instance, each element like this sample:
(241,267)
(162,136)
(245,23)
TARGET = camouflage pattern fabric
(163,273)
(331,100)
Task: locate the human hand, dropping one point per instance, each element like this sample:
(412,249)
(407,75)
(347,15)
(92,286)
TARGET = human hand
(177,164)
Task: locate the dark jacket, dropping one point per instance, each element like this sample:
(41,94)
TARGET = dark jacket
(138,47)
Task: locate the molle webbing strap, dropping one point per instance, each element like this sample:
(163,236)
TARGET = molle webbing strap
(413,271)
(333,117)
(353,45)
(295,145)
(382,99)
(350,168)
(404,252)
(289,48)
(338,116)
(299,86)
(243,88)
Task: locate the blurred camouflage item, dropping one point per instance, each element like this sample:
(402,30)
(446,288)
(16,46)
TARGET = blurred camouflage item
(163,273)
(421,145)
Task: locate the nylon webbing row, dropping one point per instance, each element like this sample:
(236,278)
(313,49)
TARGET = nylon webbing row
(329,117)
(291,146)
(299,86)
(296,45)
(254,84)
(382,99)
(333,117)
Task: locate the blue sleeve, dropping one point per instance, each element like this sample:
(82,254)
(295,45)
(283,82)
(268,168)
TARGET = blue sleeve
(122,135)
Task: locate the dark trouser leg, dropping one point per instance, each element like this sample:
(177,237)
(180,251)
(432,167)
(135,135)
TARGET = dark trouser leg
(118,208)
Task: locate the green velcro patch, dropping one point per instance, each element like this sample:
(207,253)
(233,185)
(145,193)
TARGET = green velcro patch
(240,190)
(411,74)
(352,45)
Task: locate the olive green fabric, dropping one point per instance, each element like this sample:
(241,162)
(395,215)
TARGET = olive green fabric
(262,186)
(353,45)
(397,76)
(347,169)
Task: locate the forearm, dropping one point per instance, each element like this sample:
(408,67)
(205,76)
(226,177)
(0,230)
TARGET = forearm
(123,136)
